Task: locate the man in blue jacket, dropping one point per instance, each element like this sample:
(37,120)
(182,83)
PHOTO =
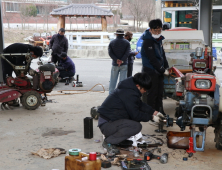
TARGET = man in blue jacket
(119,50)
(66,66)
(122,111)
(154,63)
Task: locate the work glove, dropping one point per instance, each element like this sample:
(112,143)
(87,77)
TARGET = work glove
(166,73)
(158,117)
(50,51)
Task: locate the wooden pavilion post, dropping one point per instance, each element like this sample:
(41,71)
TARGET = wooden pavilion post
(61,22)
(104,23)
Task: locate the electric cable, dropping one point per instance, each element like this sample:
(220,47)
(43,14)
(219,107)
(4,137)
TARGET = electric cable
(83,91)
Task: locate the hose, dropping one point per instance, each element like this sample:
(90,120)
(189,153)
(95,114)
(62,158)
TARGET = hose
(83,91)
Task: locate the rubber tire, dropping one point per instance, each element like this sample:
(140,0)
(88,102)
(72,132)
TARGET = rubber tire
(26,95)
(218,137)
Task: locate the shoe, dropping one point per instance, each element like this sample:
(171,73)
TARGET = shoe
(125,143)
(152,122)
(110,148)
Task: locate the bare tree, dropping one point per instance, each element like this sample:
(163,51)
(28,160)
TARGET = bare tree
(115,10)
(149,13)
(47,8)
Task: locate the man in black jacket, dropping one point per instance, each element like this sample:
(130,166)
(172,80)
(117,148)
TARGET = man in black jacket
(18,60)
(128,36)
(154,63)
(119,50)
(58,44)
(122,111)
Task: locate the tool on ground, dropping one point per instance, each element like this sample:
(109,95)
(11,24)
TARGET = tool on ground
(146,145)
(149,156)
(106,164)
(135,164)
(73,84)
(88,127)
(78,84)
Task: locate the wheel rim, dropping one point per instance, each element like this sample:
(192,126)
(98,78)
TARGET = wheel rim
(32,100)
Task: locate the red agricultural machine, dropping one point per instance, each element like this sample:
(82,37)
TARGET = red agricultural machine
(32,92)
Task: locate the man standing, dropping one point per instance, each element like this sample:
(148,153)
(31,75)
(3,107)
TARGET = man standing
(122,111)
(154,63)
(58,44)
(66,67)
(119,50)
(128,36)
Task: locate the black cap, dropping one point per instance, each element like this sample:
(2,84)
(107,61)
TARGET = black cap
(63,55)
(119,31)
(36,50)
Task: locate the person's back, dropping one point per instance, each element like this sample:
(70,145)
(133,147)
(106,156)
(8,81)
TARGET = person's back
(118,47)
(68,64)
(119,50)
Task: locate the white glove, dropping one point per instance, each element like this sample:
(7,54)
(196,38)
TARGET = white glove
(159,114)
(166,72)
(50,51)
(156,118)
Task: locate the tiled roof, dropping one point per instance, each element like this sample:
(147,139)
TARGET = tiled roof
(82,9)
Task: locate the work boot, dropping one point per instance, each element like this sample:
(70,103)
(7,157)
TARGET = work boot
(110,148)
(125,143)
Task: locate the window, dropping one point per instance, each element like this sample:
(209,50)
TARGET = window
(40,9)
(12,7)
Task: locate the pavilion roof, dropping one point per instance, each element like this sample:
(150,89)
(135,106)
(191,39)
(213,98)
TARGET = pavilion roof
(81,10)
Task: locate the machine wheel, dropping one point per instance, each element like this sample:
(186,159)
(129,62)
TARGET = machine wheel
(218,137)
(31,100)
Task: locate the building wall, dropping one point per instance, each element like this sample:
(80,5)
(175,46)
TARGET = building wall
(11,13)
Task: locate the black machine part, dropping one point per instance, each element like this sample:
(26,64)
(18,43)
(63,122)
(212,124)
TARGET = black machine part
(47,67)
(106,164)
(149,156)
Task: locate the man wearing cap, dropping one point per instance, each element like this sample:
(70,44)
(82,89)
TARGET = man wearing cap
(18,60)
(119,50)
(58,44)
(128,36)
(66,66)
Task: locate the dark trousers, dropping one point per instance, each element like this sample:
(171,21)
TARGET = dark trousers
(120,130)
(64,73)
(130,70)
(55,58)
(155,93)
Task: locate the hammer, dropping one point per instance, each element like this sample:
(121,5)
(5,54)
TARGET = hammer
(163,159)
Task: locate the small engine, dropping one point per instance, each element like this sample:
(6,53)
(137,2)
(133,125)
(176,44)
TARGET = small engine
(44,78)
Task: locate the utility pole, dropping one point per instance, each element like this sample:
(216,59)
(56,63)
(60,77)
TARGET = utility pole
(1,40)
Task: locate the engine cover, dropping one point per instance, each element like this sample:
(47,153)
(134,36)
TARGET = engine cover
(200,82)
(19,82)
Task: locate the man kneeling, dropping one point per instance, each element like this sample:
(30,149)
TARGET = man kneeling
(122,111)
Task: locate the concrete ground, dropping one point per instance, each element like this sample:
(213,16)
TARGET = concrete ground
(60,124)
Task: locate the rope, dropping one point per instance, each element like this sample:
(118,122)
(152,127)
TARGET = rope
(83,91)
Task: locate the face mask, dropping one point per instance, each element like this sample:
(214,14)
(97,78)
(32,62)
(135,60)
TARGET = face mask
(129,39)
(156,36)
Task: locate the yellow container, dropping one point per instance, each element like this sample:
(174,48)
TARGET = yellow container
(81,162)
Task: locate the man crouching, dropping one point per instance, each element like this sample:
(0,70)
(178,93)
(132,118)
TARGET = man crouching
(122,111)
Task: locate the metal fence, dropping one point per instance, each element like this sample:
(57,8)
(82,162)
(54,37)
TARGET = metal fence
(75,39)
